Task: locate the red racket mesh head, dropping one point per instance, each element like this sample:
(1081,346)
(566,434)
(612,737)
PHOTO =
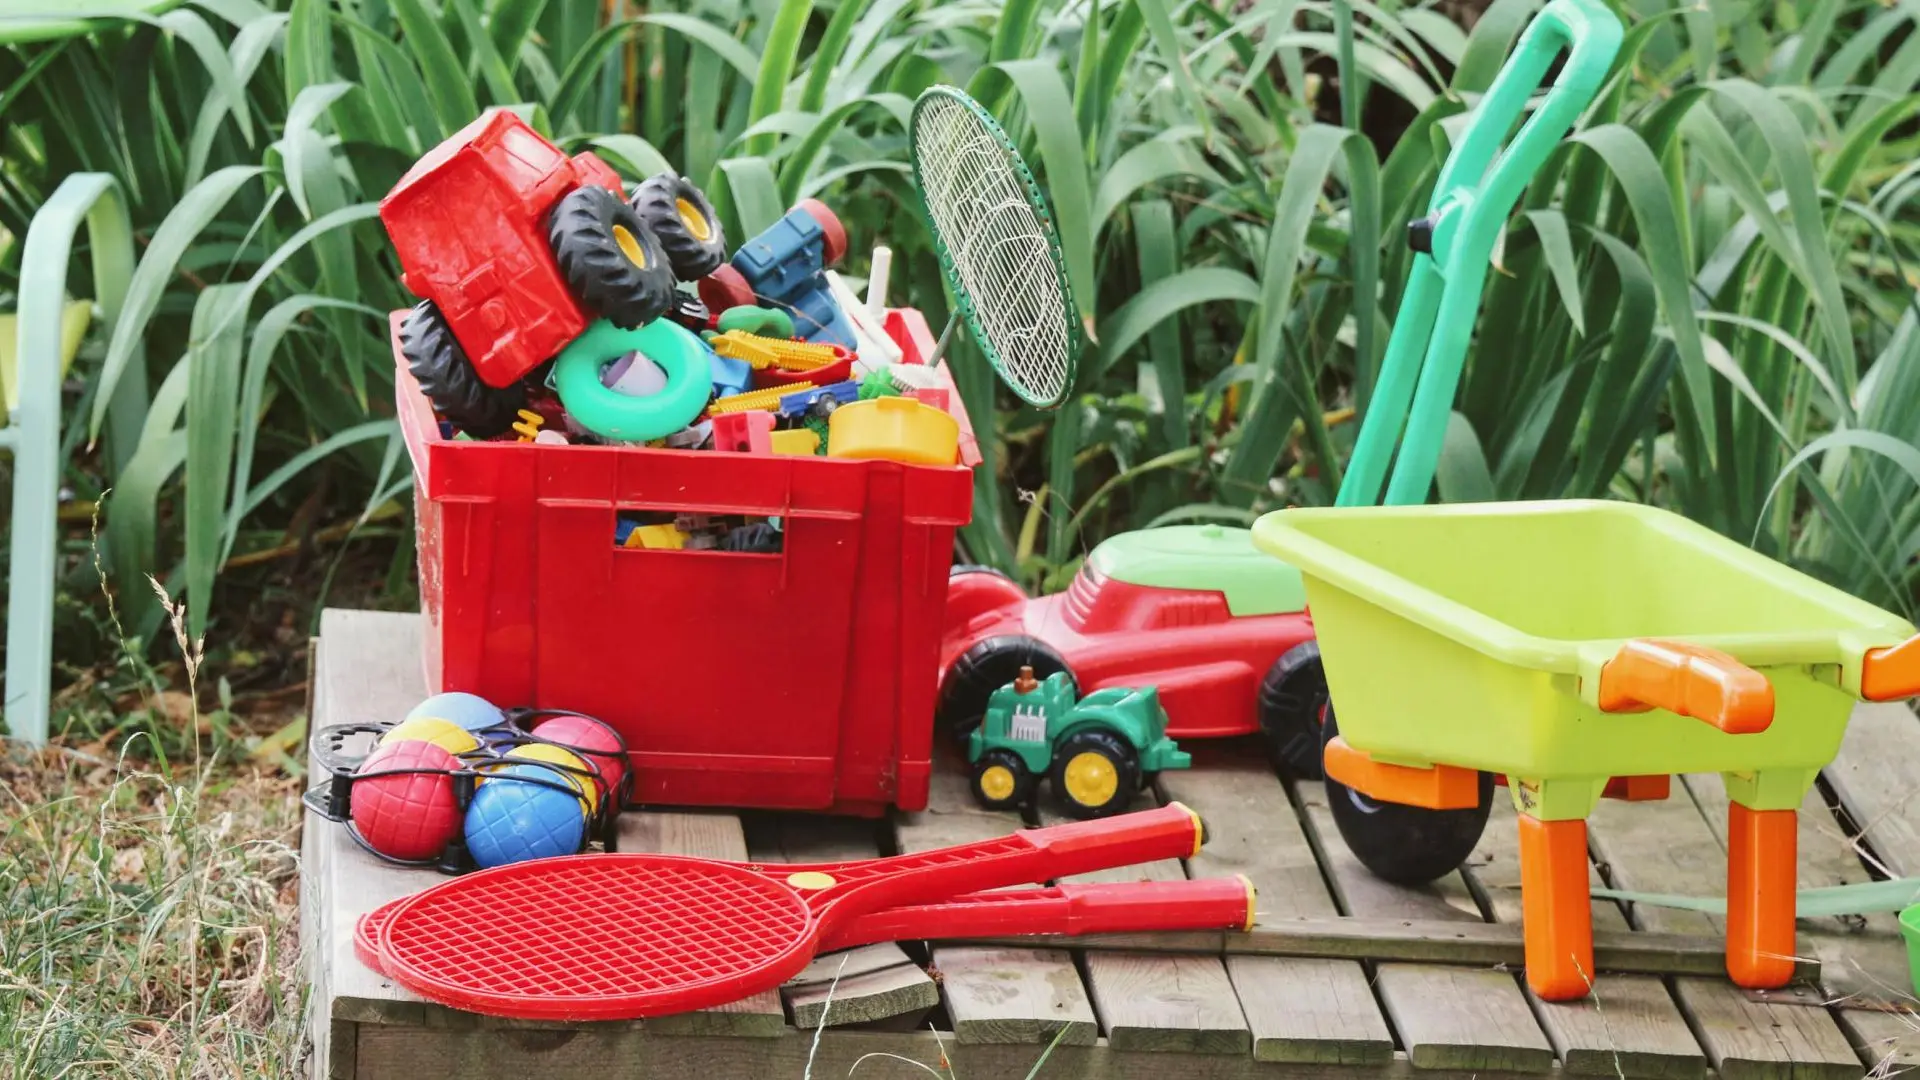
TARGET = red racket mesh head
(597,937)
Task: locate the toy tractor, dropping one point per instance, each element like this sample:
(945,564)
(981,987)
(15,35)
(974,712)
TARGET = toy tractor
(1098,751)
(515,248)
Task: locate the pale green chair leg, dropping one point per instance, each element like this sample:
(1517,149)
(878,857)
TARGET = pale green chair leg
(33,431)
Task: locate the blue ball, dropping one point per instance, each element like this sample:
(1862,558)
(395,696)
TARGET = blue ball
(513,820)
(470,711)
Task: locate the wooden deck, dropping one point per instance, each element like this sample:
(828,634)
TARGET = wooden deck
(1344,977)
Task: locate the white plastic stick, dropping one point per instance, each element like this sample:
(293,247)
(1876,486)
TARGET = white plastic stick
(877,281)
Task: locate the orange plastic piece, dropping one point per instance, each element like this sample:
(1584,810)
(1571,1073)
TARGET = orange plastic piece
(1556,910)
(1892,673)
(1761,856)
(1441,787)
(766,400)
(1689,680)
(1639,788)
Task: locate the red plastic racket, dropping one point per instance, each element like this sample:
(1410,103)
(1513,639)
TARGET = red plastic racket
(1132,907)
(624,936)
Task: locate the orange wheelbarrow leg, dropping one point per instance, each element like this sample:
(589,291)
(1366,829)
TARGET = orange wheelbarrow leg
(1556,908)
(1761,857)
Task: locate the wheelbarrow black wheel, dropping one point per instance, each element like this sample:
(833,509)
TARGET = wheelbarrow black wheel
(683,220)
(1293,701)
(988,666)
(1001,781)
(1095,773)
(610,259)
(449,380)
(1407,845)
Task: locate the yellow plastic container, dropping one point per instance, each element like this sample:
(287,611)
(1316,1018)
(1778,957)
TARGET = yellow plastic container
(1476,636)
(894,428)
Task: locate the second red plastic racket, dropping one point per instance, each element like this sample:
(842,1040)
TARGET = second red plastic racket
(625,936)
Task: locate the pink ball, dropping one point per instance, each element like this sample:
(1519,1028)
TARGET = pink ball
(596,744)
(408,815)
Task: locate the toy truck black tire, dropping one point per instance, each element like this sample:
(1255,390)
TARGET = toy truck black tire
(998,790)
(609,258)
(1293,697)
(682,219)
(1122,769)
(449,380)
(1407,845)
(988,666)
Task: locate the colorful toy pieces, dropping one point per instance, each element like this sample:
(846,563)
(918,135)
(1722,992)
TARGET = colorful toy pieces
(486,789)
(1099,751)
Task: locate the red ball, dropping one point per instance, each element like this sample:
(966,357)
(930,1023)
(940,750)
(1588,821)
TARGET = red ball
(408,815)
(596,744)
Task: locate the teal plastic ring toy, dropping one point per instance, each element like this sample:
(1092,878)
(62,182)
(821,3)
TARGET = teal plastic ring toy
(622,417)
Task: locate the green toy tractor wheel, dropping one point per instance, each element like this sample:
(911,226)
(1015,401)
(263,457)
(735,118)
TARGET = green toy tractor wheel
(1095,773)
(1001,781)
(1407,845)
(449,380)
(610,259)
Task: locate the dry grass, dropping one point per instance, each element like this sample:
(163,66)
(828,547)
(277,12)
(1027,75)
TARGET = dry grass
(148,922)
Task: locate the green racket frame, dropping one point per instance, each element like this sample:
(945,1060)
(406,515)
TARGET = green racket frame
(963,300)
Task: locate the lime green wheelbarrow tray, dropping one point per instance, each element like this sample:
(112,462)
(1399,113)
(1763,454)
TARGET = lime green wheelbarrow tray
(1573,649)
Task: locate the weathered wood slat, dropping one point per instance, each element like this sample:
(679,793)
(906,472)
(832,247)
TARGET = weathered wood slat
(1014,993)
(707,836)
(855,986)
(1629,1026)
(1447,1017)
(1667,847)
(1298,1010)
(1158,1001)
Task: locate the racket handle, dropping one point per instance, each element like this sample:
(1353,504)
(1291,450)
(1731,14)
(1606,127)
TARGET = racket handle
(1172,831)
(1136,907)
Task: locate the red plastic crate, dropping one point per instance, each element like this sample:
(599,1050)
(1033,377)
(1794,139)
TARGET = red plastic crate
(798,680)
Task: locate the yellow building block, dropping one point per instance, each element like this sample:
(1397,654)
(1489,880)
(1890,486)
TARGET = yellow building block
(801,442)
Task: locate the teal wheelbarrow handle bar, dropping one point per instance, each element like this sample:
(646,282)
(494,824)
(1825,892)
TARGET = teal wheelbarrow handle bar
(1453,245)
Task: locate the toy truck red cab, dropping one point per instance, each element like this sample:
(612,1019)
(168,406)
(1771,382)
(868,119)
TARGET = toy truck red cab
(1195,610)
(513,248)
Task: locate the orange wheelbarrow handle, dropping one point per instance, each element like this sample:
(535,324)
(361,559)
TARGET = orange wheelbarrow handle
(1689,680)
(1892,673)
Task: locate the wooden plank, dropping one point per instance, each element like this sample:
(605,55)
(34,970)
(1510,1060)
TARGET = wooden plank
(854,986)
(598,1051)
(1157,1001)
(1667,847)
(1877,776)
(1014,994)
(708,836)
(1632,952)
(1889,1041)
(1298,1010)
(1863,957)
(1629,1026)
(1447,1017)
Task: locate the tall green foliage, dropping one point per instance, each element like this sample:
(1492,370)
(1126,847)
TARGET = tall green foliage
(1704,302)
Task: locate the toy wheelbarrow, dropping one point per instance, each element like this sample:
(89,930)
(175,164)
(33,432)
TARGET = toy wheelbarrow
(1561,644)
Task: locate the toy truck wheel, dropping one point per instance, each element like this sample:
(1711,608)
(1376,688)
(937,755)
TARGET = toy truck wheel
(449,380)
(1407,845)
(1001,781)
(610,260)
(684,222)
(1293,698)
(988,666)
(1095,773)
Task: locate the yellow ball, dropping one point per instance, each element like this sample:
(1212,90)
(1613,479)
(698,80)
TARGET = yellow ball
(444,734)
(574,770)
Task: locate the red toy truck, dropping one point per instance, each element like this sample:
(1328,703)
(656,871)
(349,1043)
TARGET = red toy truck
(514,248)
(1195,610)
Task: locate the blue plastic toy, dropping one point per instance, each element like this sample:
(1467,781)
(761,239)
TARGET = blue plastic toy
(785,268)
(800,401)
(470,711)
(523,812)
